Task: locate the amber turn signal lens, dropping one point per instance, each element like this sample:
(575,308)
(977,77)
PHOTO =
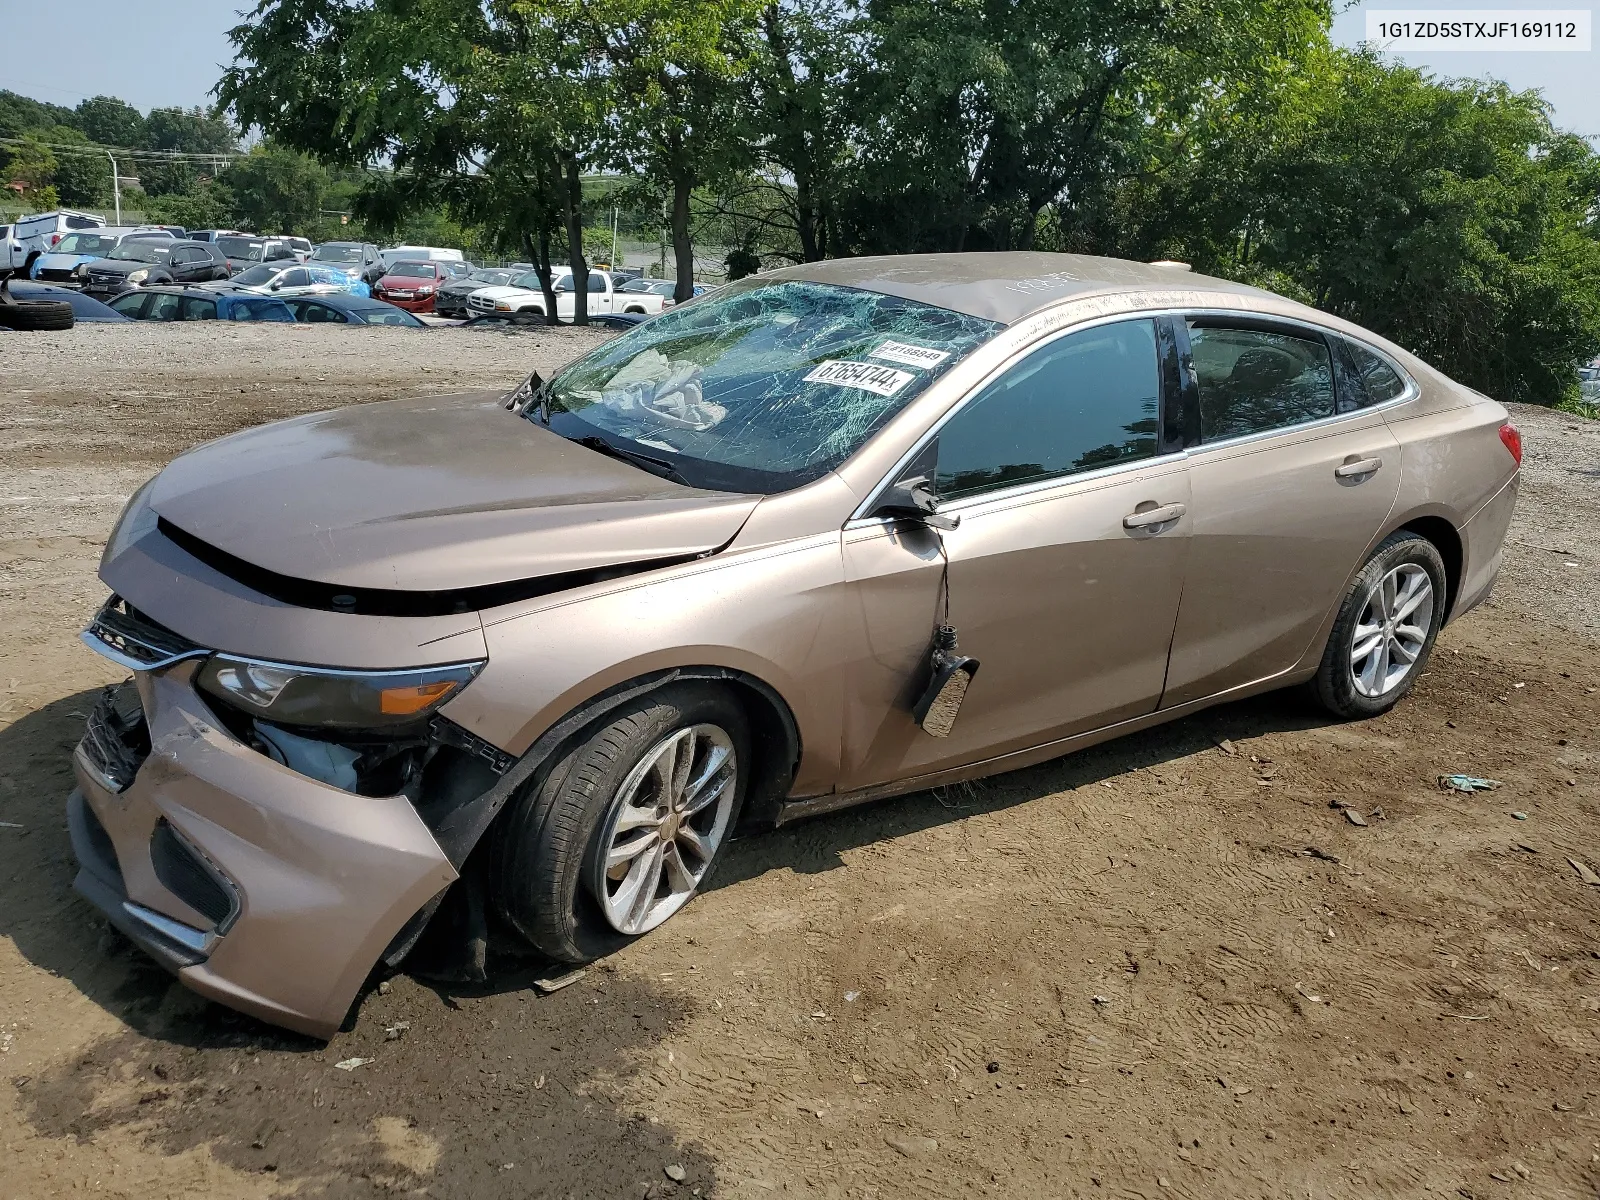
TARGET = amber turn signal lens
(403,701)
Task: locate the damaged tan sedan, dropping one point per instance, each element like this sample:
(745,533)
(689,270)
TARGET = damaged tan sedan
(829,534)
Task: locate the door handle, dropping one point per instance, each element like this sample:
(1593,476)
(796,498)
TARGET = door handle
(1365,466)
(1153,516)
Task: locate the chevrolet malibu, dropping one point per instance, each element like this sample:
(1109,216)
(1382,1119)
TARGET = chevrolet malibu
(833,533)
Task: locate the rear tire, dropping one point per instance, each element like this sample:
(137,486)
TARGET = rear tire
(599,801)
(1385,630)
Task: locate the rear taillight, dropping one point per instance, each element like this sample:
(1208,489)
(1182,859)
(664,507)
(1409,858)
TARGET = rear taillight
(1512,437)
(54,238)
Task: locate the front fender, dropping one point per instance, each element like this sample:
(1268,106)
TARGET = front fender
(774,614)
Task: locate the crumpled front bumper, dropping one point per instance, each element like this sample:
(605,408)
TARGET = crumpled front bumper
(262,889)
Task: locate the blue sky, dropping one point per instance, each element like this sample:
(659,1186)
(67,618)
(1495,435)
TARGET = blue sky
(158,53)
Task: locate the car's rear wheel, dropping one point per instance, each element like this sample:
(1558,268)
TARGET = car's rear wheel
(626,828)
(1385,629)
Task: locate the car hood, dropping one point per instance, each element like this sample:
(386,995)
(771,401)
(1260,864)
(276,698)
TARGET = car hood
(61,262)
(405,283)
(119,266)
(432,494)
(503,291)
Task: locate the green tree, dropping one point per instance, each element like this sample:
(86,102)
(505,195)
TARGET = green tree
(30,165)
(209,205)
(191,130)
(110,122)
(82,176)
(807,67)
(1450,217)
(484,108)
(675,72)
(276,189)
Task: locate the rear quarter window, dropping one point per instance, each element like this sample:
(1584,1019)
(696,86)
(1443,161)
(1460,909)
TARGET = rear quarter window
(1381,381)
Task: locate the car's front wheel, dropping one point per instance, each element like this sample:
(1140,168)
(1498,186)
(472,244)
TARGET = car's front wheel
(1385,629)
(627,826)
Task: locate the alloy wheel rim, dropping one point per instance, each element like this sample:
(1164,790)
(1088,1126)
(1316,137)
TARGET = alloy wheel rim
(665,825)
(1391,631)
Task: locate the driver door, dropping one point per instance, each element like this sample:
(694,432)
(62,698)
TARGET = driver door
(1062,581)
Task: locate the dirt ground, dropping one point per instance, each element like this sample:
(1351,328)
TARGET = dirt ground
(1157,968)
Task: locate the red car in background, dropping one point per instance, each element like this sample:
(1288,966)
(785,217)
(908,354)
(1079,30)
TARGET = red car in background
(411,285)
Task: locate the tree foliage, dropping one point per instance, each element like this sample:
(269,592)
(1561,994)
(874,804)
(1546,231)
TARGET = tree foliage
(1451,216)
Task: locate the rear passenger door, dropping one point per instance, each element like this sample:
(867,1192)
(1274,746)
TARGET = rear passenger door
(1293,477)
(190,263)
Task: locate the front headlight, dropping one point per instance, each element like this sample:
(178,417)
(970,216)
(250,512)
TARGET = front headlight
(139,276)
(424,291)
(502,306)
(81,269)
(332,699)
(137,520)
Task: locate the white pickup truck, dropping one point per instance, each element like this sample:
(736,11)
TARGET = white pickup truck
(522,298)
(40,233)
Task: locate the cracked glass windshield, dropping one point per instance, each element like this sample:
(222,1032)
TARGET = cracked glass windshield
(760,389)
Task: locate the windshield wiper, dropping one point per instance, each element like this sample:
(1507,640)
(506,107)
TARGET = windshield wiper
(645,462)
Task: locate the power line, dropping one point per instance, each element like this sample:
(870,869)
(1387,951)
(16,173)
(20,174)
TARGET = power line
(96,149)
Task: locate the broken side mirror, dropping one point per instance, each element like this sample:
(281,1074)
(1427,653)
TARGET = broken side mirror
(912,497)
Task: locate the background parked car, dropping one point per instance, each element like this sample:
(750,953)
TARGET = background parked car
(665,288)
(292,279)
(211,235)
(68,264)
(411,285)
(177,231)
(246,249)
(349,310)
(199,304)
(451,299)
(139,262)
(523,299)
(360,259)
(396,254)
(301,246)
(85,309)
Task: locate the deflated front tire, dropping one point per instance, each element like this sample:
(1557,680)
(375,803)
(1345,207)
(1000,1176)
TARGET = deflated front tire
(628,824)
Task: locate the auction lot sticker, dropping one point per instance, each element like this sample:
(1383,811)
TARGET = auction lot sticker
(910,356)
(869,377)
(1549,29)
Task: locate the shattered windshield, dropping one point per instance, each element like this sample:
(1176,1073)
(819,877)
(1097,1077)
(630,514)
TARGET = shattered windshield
(761,389)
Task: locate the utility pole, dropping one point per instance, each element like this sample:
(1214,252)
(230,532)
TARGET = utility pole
(116,191)
(613,237)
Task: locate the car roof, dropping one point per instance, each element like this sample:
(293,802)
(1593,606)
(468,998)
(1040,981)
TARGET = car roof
(343,300)
(1003,286)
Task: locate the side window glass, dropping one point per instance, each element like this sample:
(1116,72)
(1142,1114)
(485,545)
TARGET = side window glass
(299,277)
(1383,382)
(597,282)
(1088,400)
(1252,381)
(197,309)
(130,304)
(163,307)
